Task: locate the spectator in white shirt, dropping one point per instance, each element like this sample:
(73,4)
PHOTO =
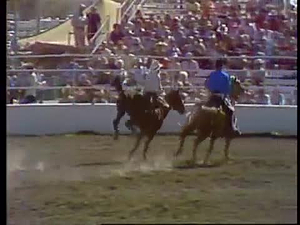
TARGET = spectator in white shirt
(28,79)
(262,98)
(190,64)
(79,22)
(277,98)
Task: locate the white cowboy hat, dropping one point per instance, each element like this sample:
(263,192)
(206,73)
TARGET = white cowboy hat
(155,65)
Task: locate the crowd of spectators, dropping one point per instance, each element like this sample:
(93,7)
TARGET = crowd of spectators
(215,28)
(132,73)
(212,29)
(209,28)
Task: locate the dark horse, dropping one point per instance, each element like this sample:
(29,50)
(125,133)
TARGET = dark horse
(210,121)
(125,104)
(148,121)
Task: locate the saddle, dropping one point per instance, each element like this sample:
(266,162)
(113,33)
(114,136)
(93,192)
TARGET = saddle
(218,101)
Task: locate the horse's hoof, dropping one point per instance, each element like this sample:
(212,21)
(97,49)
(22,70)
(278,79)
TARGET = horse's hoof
(144,157)
(177,153)
(205,163)
(229,160)
(193,161)
(116,136)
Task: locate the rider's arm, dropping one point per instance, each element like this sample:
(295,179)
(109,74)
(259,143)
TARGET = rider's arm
(228,86)
(206,83)
(159,82)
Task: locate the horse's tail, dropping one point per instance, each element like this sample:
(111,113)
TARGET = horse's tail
(189,127)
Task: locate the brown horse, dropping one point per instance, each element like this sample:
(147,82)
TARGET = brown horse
(209,122)
(150,121)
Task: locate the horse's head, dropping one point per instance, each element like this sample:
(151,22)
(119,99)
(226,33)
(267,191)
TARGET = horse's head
(236,88)
(173,98)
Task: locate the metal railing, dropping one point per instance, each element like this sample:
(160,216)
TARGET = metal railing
(70,82)
(101,35)
(119,70)
(131,9)
(127,8)
(200,74)
(150,56)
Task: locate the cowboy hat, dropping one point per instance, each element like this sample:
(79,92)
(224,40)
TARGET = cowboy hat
(155,65)
(27,66)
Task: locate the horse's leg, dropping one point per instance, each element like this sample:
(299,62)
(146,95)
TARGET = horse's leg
(146,146)
(179,151)
(186,130)
(200,137)
(211,146)
(121,113)
(137,143)
(130,126)
(226,149)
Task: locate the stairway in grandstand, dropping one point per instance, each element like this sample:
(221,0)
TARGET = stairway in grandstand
(62,34)
(129,8)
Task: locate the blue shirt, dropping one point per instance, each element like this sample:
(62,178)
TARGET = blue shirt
(219,81)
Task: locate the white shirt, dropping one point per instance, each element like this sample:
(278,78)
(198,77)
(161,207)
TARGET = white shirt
(33,83)
(140,75)
(152,82)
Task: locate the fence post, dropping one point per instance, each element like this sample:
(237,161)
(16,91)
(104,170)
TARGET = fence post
(108,24)
(118,16)
(69,37)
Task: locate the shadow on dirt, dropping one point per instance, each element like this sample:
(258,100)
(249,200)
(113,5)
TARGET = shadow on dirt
(188,164)
(111,163)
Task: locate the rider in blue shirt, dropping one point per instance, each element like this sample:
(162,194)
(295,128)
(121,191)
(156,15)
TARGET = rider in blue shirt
(219,85)
(219,82)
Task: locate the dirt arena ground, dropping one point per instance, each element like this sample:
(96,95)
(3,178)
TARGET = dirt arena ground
(86,179)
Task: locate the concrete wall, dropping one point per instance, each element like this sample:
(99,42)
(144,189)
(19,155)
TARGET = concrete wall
(43,119)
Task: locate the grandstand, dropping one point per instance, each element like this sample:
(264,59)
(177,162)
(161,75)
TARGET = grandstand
(177,32)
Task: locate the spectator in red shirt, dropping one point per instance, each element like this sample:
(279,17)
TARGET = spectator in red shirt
(260,19)
(116,35)
(94,22)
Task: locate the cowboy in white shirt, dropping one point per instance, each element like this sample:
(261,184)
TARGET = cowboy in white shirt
(140,73)
(153,85)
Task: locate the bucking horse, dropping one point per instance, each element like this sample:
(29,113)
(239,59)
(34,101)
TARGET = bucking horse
(210,121)
(149,121)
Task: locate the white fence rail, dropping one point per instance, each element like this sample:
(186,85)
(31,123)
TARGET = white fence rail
(47,119)
(147,56)
(287,72)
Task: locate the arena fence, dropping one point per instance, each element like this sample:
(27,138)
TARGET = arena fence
(148,56)
(50,119)
(58,82)
(285,79)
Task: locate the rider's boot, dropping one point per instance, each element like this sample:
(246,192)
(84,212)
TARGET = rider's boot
(234,128)
(129,125)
